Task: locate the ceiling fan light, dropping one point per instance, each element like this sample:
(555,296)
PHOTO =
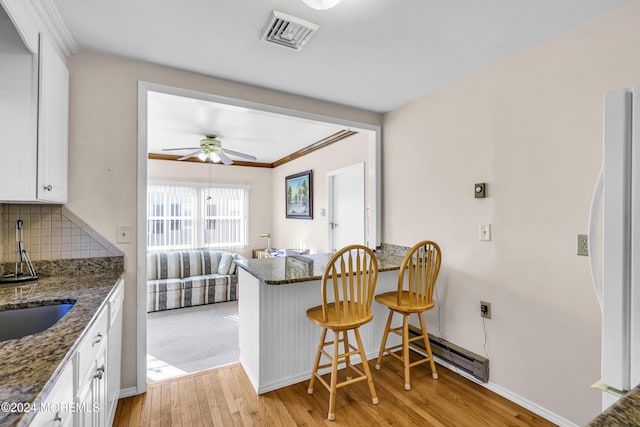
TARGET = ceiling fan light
(321,4)
(202,156)
(214,157)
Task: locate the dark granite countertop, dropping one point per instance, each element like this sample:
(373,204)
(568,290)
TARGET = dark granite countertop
(625,412)
(284,270)
(32,364)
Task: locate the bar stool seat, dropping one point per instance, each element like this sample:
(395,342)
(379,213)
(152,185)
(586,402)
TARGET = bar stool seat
(390,299)
(351,320)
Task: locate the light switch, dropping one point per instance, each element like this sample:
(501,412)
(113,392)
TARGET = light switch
(485,232)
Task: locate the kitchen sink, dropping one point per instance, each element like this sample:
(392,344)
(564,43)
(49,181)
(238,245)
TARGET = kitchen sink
(20,320)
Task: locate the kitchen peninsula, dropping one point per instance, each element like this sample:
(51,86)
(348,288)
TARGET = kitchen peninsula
(277,341)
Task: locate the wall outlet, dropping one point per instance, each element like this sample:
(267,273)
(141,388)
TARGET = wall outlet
(583,245)
(485,309)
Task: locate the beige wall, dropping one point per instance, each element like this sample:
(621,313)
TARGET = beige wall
(260,194)
(103,149)
(530,127)
(312,234)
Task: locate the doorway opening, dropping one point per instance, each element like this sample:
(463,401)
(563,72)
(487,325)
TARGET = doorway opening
(372,177)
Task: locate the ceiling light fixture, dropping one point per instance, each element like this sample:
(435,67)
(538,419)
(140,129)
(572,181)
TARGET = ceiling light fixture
(321,4)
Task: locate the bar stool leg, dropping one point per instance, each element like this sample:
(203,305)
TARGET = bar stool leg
(317,361)
(427,347)
(345,342)
(405,351)
(365,365)
(334,378)
(384,339)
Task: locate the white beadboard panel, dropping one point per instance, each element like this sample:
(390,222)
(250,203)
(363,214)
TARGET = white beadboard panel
(249,325)
(287,339)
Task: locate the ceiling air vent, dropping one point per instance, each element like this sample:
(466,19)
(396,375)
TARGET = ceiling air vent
(287,30)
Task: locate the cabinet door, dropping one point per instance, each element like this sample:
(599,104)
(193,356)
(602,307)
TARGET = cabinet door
(115,348)
(100,389)
(57,410)
(53,124)
(92,393)
(18,115)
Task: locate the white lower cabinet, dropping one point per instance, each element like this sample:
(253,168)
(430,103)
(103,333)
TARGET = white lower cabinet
(58,409)
(98,362)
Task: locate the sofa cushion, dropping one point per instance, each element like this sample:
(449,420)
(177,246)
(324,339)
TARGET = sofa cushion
(169,265)
(210,261)
(152,266)
(190,263)
(209,289)
(226,263)
(164,294)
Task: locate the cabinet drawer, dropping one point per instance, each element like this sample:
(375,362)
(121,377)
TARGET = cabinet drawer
(93,341)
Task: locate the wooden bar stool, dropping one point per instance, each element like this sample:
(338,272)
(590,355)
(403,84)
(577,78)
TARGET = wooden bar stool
(349,280)
(421,266)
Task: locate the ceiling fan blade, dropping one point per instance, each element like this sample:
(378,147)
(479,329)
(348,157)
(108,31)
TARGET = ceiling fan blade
(225,159)
(238,154)
(183,148)
(193,153)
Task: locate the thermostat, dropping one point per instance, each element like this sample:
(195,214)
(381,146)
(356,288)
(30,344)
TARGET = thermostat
(480,190)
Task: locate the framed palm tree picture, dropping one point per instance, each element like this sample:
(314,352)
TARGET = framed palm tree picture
(299,195)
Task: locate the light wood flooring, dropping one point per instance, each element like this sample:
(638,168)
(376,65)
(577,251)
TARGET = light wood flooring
(224,397)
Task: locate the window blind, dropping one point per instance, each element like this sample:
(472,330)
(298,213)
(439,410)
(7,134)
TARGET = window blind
(186,217)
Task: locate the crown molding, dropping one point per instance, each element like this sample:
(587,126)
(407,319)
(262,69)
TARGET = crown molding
(51,18)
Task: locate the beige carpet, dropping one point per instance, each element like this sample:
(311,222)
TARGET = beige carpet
(192,339)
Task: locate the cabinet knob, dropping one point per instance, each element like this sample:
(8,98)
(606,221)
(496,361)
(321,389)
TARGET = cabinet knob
(48,187)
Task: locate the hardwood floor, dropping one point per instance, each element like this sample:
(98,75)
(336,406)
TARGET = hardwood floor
(224,397)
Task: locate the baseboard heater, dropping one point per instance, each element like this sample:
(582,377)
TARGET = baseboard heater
(469,362)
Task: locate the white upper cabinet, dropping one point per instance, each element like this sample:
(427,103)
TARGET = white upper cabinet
(34,111)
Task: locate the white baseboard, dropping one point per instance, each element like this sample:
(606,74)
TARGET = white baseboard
(128,392)
(509,395)
(252,379)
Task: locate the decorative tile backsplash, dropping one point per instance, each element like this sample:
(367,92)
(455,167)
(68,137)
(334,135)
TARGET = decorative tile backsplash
(51,232)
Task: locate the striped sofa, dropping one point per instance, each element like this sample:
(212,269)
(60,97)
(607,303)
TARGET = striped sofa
(178,279)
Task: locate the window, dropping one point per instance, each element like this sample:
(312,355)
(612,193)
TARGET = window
(185,217)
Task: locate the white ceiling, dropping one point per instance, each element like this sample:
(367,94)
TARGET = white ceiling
(176,121)
(371,54)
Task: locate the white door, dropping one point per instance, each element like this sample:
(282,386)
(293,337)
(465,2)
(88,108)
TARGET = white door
(347,210)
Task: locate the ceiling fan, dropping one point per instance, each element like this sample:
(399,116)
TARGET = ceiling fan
(211,149)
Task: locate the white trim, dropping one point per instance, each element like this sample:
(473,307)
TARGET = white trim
(141,250)
(52,19)
(128,392)
(374,183)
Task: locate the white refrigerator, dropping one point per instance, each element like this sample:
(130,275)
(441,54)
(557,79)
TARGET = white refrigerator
(616,276)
